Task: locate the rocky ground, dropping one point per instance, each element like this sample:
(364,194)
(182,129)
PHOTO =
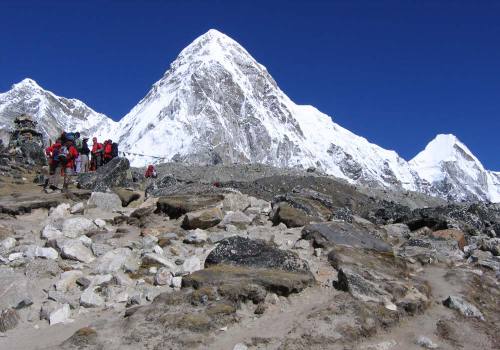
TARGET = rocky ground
(241,257)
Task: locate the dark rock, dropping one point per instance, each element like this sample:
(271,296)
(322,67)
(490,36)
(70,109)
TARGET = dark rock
(242,251)
(344,214)
(33,154)
(288,215)
(114,174)
(333,233)
(84,338)
(176,206)
(9,319)
(26,302)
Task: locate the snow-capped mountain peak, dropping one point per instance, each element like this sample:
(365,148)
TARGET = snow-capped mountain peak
(52,113)
(453,169)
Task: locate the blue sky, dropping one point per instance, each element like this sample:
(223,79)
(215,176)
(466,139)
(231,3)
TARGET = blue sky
(395,72)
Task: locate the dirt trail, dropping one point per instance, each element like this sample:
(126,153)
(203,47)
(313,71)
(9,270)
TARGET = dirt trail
(278,321)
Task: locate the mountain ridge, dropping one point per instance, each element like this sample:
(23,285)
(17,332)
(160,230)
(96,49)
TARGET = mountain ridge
(217,104)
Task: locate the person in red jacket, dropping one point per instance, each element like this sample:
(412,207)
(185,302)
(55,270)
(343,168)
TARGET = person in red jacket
(71,158)
(96,153)
(108,151)
(150,171)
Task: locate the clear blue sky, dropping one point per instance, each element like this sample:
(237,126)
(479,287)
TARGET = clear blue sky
(395,72)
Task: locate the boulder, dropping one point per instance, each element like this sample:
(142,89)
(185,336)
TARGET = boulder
(105,201)
(41,252)
(90,298)
(75,250)
(290,216)
(359,287)
(235,202)
(51,232)
(9,319)
(462,306)
(153,259)
(236,218)
(242,251)
(178,205)
(67,280)
(61,314)
(78,208)
(77,226)
(202,219)
(453,234)
(126,196)
(116,260)
(196,237)
(333,233)
(114,174)
(163,277)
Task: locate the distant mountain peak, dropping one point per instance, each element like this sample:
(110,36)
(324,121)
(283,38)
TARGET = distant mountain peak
(26,83)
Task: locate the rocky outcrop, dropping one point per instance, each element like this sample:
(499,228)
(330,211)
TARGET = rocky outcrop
(341,233)
(114,174)
(240,251)
(202,219)
(176,206)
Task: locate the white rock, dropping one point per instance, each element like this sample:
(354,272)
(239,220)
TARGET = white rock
(191,264)
(15,256)
(77,226)
(115,260)
(156,259)
(90,298)
(196,236)
(240,346)
(236,218)
(302,244)
(425,342)
(158,250)
(67,280)
(176,282)
(8,243)
(59,212)
(60,315)
(99,280)
(41,252)
(75,250)
(51,232)
(100,223)
(78,208)
(86,241)
(105,201)
(317,252)
(163,277)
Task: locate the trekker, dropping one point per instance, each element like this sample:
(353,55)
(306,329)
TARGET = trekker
(84,156)
(69,162)
(96,154)
(78,146)
(108,151)
(151,172)
(55,169)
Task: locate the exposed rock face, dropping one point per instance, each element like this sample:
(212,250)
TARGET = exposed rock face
(114,174)
(176,206)
(241,251)
(290,216)
(339,233)
(8,320)
(462,306)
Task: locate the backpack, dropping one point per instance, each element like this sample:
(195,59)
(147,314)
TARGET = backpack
(78,144)
(63,154)
(114,150)
(70,136)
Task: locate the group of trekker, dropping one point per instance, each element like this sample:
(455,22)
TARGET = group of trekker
(70,154)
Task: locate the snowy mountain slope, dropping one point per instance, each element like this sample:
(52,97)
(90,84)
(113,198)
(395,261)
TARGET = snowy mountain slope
(217,104)
(455,172)
(53,113)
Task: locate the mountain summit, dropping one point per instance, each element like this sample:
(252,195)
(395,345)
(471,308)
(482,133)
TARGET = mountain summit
(52,113)
(455,172)
(217,104)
